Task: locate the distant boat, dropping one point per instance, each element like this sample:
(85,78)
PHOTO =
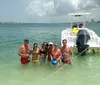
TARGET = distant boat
(79,37)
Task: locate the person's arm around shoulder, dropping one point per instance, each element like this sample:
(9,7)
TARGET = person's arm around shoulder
(61,51)
(30,50)
(51,55)
(59,55)
(38,51)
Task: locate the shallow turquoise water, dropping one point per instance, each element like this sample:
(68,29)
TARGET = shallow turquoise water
(83,71)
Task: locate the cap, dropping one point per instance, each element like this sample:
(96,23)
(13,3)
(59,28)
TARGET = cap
(50,43)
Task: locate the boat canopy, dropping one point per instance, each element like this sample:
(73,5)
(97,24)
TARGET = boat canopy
(77,18)
(78,14)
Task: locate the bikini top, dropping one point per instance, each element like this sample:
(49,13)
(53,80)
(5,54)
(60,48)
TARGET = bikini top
(55,54)
(43,52)
(36,52)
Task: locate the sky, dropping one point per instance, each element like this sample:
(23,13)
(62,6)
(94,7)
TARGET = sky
(46,11)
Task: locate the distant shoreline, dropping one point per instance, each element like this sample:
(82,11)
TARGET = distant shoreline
(39,23)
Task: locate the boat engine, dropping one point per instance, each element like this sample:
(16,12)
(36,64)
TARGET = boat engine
(81,42)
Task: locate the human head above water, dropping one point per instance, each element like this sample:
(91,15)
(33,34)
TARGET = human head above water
(75,25)
(56,45)
(50,43)
(26,42)
(45,44)
(35,45)
(64,42)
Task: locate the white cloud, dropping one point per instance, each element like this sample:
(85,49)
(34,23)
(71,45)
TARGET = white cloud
(41,7)
(88,4)
(54,10)
(50,7)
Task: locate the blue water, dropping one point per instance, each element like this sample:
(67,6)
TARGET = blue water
(83,71)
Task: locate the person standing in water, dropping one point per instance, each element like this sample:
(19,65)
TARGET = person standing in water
(25,52)
(50,49)
(66,51)
(56,53)
(35,52)
(43,52)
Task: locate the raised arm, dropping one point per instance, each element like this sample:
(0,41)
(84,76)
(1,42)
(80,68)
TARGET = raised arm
(59,55)
(51,56)
(61,51)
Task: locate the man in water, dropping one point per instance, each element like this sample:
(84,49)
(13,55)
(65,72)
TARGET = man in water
(66,51)
(24,52)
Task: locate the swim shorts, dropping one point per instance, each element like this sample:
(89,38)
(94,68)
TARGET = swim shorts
(35,61)
(25,60)
(66,60)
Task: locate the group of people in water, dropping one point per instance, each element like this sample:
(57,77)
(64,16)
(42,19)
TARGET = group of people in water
(48,51)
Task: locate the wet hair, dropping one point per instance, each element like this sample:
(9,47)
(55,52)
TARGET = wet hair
(64,40)
(75,25)
(35,44)
(26,40)
(56,44)
(45,44)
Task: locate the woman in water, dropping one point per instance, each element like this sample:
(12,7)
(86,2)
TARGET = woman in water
(43,51)
(35,53)
(50,49)
(56,53)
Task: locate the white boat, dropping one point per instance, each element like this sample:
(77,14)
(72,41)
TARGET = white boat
(90,40)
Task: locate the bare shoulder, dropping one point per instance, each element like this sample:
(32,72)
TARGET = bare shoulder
(21,47)
(58,49)
(38,49)
(70,48)
(31,50)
